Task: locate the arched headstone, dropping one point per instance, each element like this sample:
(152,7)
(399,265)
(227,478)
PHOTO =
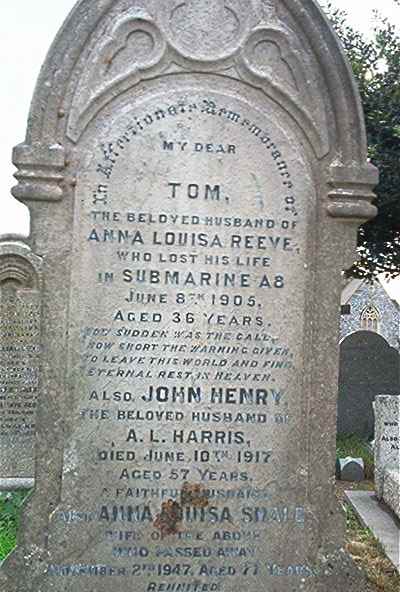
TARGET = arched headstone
(368,367)
(196,172)
(20,354)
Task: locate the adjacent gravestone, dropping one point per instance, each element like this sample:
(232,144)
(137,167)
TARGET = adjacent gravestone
(368,366)
(20,314)
(350,469)
(387,450)
(196,182)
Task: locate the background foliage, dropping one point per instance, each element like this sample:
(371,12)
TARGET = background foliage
(376,66)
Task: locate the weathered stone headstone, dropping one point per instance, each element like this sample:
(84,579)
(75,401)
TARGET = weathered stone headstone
(368,367)
(196,180)
(20,314)
(387,450)
(350,469)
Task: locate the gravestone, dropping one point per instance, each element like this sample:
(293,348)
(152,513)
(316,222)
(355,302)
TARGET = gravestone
(350,469)
(196,182)
(387,450)
(368,367)
(20,313)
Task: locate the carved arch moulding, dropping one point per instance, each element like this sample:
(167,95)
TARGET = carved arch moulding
(20,268)
(106,48)
(139,46)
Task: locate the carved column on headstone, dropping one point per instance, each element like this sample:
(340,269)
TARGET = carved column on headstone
(40,172)
(349,199)
(20,327)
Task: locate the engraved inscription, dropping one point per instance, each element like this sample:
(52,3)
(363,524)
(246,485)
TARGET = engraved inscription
(19,375)
(189,384)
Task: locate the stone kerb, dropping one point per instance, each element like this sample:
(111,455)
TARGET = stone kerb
(20,321)
(387,450)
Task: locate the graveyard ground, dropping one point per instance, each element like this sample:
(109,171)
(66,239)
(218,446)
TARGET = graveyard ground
(361,544)
(364,547)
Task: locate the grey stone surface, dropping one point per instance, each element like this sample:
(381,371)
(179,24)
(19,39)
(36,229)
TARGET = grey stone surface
(196,173)
(387,450)
(351,469)
(368,367)
(20,316)
(14,483)
(380,520)
(391,489)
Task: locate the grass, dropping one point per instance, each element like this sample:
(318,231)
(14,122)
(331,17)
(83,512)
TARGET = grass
(365,549)
(10,510)
(368,553)
(354,446)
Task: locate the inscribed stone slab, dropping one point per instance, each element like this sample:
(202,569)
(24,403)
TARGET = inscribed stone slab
(20,315)
(203,203)
(387,450)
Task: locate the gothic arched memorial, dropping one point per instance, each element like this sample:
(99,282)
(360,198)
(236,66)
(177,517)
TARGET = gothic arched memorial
(368,367)
(195,181)
(20,352)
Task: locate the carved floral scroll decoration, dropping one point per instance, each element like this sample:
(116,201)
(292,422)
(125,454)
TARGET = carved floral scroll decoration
(134,50)
(137,48)
(268,61)
(256,47)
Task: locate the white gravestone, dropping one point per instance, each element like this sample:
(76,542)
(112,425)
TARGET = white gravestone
(387,450)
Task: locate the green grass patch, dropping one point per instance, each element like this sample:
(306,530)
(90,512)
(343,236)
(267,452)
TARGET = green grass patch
(369,554)
(356,447)
(11,503)
(355,527)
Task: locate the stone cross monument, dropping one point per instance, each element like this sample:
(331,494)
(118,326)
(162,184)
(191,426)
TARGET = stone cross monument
(196,172)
